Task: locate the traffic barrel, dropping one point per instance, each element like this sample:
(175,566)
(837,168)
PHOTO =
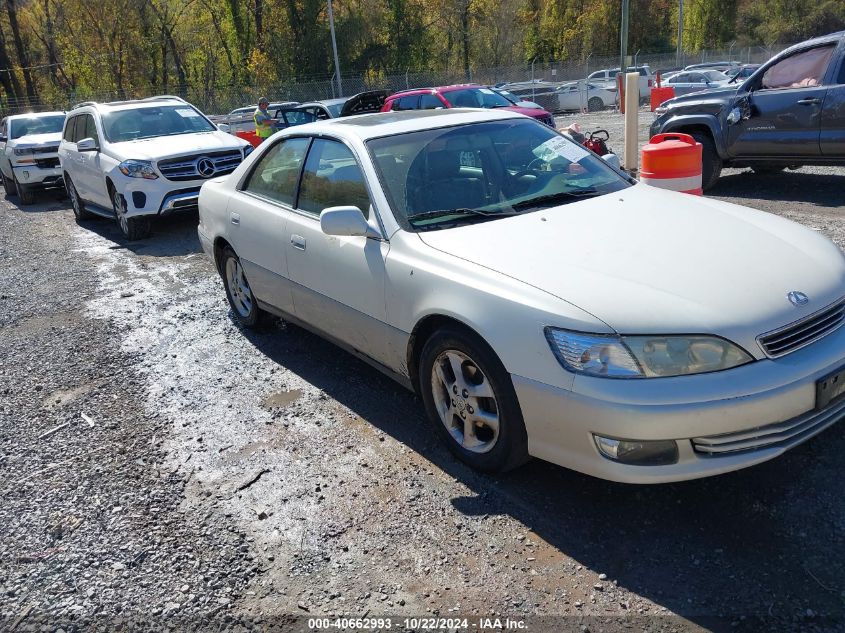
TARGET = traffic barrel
(672,161)
(659,94)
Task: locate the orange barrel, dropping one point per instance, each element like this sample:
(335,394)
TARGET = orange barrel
(672,161)
(659,94)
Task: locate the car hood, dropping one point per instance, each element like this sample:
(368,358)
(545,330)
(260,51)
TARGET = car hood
(177,145)
(35,140)
(717,97)
(645,260)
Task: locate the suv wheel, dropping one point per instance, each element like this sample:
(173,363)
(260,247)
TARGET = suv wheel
(79,212)
(132,228)
(470,399)
(711,164)
(8,185)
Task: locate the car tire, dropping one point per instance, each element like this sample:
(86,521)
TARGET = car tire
(9,185)
(238,292)
(136,228)
(80,214)
(478,400)
(26,194)
(711,164)
(594,104)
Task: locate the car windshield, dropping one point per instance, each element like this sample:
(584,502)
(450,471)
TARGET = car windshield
(153,121)
(715,75)
(335,109)
(36,125)
(476,98)
(483,171)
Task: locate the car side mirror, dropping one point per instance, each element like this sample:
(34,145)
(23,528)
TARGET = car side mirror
(87,145)
(612,160)
(734,116)
(223,127)
(346,221)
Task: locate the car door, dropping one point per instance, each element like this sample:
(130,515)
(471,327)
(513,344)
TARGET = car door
(785,108)
(93,165)
(338,282)
(832,134)
(257,217)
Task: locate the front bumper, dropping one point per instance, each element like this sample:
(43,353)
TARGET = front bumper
(149,197)
(37,177)
(721,422)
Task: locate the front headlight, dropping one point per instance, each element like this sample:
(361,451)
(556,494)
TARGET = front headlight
(138,169)
(614,356)
(23,152)
(659,110)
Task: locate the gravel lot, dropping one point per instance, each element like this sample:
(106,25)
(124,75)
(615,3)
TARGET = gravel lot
(159,467)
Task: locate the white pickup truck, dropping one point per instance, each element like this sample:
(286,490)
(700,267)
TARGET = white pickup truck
(607,78)
(29,153)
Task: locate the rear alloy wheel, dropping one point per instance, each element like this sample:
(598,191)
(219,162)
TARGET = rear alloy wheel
(79,212)
(469,397)
(594,104)
(133,228)
(711,164)
(8,185)
(238,292)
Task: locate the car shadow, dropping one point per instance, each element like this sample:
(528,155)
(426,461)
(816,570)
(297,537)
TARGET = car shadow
(45,201)
(762,542)
(170,236)
(824,190)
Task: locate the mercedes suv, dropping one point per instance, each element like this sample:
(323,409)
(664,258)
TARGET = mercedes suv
(136,160)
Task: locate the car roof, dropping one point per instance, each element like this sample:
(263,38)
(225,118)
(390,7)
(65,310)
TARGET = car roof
(376,125)
(34,115)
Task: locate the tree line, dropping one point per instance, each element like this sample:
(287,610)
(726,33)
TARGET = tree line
(52,48)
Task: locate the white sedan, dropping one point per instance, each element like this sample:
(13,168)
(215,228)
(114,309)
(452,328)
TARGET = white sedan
(584,96)
(540,302)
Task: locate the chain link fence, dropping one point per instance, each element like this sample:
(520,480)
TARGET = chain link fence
(223,98)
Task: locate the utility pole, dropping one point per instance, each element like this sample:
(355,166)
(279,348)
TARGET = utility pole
(623,45)
(680,52)
(334,49)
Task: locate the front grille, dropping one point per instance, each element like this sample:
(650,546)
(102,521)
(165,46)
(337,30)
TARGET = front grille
(49,149)
(787,433)
(47,163)
(796,335)
(185,167)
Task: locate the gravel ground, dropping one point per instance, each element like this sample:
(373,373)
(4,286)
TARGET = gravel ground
(162,468)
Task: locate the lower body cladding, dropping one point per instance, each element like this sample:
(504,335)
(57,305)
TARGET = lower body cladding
(657,430)
(34,177)
(141,200)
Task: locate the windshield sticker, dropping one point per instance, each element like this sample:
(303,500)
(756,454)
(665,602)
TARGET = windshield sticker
(187,112)
(559,147)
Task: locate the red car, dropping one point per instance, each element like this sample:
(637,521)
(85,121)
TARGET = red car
(459,96)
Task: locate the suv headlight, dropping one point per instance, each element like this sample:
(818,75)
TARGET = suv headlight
(138,169)
(612,356)
(659,110)
(26,151)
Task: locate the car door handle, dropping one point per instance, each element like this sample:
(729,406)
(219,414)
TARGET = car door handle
(810,101)
(298,242)
(235,218)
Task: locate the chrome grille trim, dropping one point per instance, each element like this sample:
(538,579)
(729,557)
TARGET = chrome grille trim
(49,149)
(185,167)
(801,333)
(780,434)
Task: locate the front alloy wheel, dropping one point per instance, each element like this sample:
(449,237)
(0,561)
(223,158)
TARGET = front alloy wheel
(470,399)
(465,401)
(136,228)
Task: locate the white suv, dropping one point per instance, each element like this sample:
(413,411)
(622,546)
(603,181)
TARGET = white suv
(134,160)
(29,160)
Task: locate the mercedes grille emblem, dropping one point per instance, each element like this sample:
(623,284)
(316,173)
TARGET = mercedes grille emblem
(205,167)
(798,298)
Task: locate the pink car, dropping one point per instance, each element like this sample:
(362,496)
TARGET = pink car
(459,96)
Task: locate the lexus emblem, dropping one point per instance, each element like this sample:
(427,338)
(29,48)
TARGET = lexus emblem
(797,298)
(205,167)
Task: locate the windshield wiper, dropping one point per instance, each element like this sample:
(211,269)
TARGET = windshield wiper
(463,211)
(574,194)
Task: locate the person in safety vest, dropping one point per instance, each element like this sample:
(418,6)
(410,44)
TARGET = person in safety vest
(265,125)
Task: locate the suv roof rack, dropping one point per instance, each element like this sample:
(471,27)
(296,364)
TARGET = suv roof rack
(164,98)
(83,104)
